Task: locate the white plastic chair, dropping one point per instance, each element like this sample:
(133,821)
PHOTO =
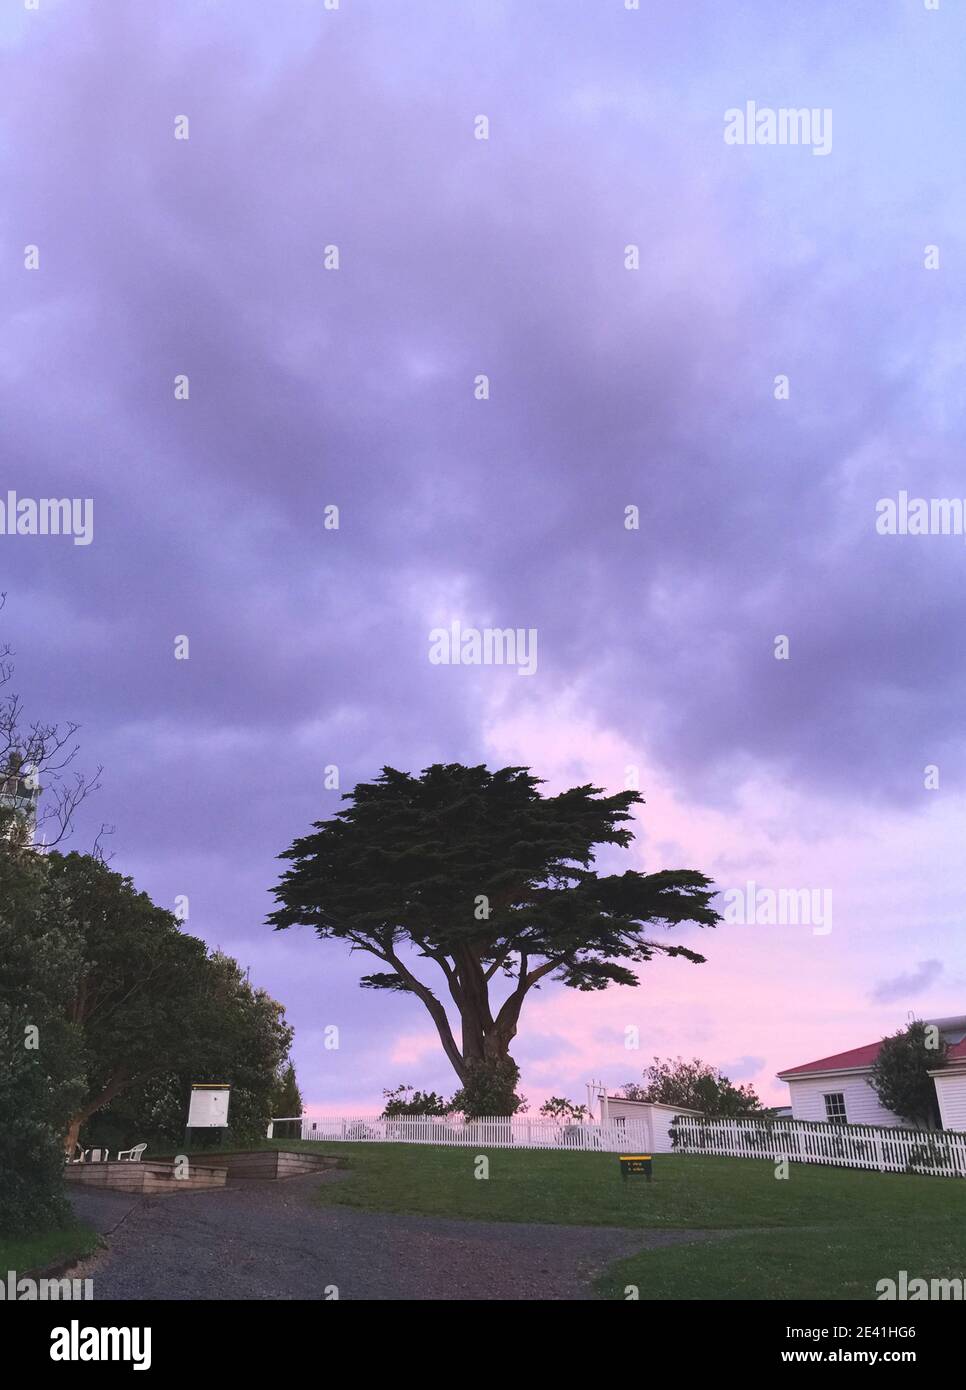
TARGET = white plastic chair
(132,1155)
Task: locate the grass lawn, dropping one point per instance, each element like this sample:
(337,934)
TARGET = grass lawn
(824,1233)
(834,1262)
(585,1189)
(24,1253)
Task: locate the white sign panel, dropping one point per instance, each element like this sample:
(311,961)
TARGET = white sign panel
(208,1108)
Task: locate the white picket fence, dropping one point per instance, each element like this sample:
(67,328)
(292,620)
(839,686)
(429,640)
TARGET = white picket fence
(941,1152)
(501,1132)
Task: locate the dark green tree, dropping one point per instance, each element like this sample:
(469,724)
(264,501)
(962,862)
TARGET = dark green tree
(286,1097)
(694,1085)
(244,1040)
(138,989)
(490,1088)
(41,1066)
(560,1108)
(154,1109)
(236,1035)
(491,882)
(900,1073)
(41,1057)
(405,1101)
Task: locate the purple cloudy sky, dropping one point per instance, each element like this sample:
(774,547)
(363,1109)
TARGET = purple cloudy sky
(609,388)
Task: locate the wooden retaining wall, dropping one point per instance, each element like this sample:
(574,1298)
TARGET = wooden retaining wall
(266,1163)
(147,1178)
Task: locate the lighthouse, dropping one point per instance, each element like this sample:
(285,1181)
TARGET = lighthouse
(19,794)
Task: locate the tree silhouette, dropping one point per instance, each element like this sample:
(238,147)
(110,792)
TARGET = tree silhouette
(480,874)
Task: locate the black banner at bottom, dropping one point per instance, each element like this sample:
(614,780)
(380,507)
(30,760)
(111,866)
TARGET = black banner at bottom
(289,1338)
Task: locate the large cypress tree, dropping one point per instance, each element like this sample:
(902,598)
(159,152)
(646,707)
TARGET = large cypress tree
(480,874)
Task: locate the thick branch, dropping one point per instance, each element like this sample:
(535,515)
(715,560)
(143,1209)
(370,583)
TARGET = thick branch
(433,1007)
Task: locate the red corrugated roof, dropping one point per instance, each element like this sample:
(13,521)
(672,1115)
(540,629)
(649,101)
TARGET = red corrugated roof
(862,1057)
(857,1057)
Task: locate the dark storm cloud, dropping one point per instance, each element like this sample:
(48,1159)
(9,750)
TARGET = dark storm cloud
(355,387)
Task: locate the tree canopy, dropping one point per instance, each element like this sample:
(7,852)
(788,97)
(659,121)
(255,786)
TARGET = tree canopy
(286,1096)
(694,1085)
(900,1073)
(238,1036)
(150,1010)
(490,882)
(137,990)
(106,1005)
(403,1100)
(560,1108)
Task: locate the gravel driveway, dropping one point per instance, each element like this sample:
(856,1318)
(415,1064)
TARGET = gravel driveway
(253,1240)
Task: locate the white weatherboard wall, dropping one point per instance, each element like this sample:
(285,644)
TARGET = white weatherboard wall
(951,1094)
(653,1116)
(862,1105)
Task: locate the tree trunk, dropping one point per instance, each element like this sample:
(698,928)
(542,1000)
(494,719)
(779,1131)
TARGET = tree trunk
(472,1034)
(70,1143)
(496,1045)
(116,1084)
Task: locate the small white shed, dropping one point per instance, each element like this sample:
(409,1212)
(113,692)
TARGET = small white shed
(652,1117)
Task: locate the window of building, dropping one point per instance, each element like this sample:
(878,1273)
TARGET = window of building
(835,1108)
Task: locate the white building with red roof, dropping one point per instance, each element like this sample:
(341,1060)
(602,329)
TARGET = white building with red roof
(838,1088)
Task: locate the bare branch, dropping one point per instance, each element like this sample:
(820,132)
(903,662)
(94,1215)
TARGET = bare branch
(97,849)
